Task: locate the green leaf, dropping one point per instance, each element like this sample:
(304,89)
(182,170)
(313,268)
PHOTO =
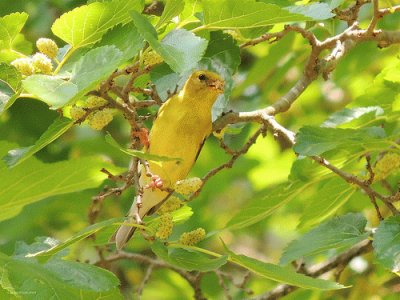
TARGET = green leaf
(180,49)
(348,115)
(53,90)
(315,11)
(125,38)
(387,243)
(274,198)
(34,181)
(137,153)
(10,84)
(10,27)
(55,130)
(86,24)
(88,71)
(223,50)
(317,140)
(188,260)
(57,279)
(10,76)
(232,14)
(164,79)
(172,9)
(95,66)
(223,57)
(332,193)
(46,254)
(338,233)
(282,274)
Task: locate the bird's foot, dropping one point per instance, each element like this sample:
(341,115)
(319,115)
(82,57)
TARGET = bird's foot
(155,183)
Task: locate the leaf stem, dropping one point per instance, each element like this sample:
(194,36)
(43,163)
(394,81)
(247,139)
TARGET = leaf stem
(65,58)
(198,249)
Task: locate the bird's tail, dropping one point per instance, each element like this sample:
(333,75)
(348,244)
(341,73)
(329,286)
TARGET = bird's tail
(150,203)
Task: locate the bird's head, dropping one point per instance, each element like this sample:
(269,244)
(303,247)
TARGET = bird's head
(205,82)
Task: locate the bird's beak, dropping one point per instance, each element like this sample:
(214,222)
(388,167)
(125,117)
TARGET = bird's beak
(217,85)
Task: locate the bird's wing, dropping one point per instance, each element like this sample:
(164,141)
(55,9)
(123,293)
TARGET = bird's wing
(198,152)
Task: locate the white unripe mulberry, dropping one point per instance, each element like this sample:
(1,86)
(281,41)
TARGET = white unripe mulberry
(188,186)
(165,226)
(77,112)
(24,65)
(47,47)
(42,63)
(99,119)
(193,237)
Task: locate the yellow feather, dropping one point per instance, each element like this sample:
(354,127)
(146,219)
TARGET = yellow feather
(182,124)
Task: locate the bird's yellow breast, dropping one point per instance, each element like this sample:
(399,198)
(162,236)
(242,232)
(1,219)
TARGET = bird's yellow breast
(178,131)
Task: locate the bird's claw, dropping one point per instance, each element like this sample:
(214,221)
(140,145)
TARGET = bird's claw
(156,183)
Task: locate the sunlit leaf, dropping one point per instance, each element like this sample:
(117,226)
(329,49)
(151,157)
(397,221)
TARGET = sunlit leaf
(232,14)
(10,26)
(172,9)
(86,24)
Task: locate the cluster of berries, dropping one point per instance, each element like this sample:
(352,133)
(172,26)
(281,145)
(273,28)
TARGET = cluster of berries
(97,119)
(40,62)
(188,186)
(387,165)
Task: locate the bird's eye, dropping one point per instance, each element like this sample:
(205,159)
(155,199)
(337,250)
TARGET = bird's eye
(202,77)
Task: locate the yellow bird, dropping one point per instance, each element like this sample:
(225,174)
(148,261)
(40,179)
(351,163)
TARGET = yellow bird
(182,125)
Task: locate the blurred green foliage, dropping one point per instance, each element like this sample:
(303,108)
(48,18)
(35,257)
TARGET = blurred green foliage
(266,72)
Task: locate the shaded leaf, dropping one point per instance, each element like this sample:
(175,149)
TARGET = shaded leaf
(223,57)
(318,140)
(55,130)
(331,194)
(34,181)
(347,115)
(87,72)
(58,279)
(10,76)
(282,274)
(53,90)
(188,260)
(125,38)
(46,254)
(180,49)
(258,209)
(137,153)
(338,233)
(387,243)
(95,66)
